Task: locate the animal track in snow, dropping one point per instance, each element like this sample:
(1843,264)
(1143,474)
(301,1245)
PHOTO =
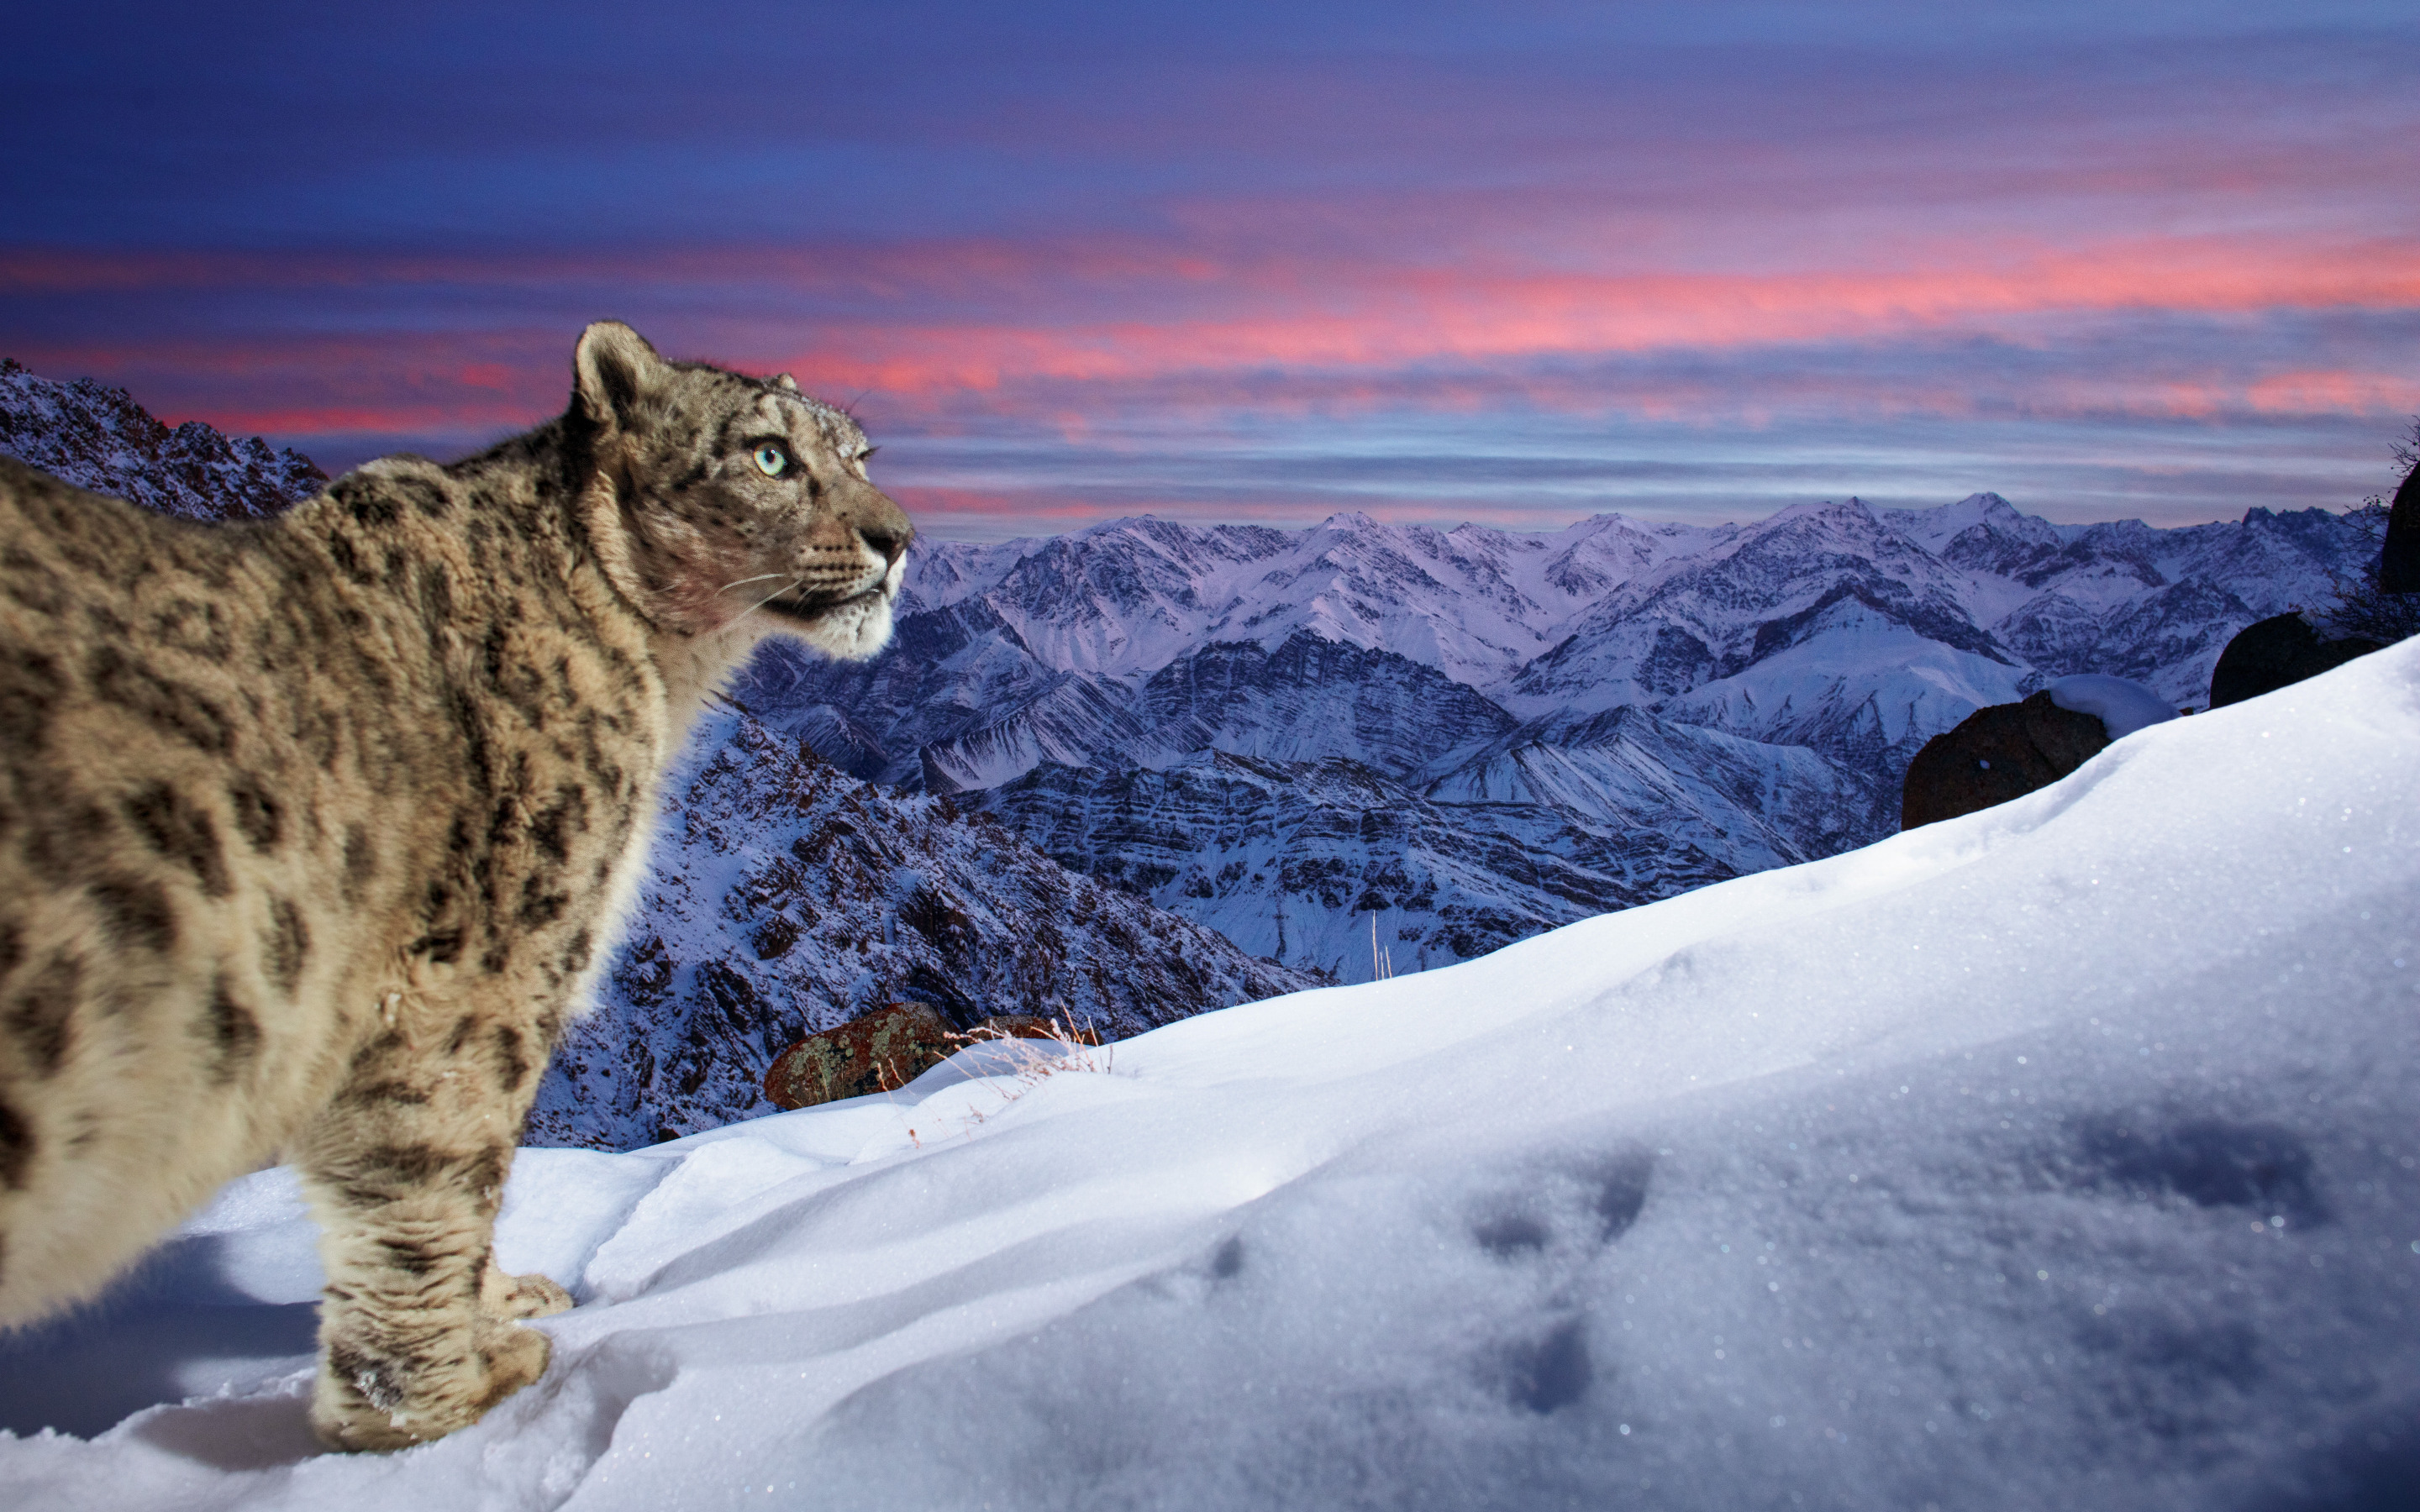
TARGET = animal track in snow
(2209,1162)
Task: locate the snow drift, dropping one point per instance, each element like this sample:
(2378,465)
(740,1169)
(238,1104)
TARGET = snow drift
(2062,1154)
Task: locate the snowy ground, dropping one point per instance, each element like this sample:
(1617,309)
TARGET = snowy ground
(2059,1156)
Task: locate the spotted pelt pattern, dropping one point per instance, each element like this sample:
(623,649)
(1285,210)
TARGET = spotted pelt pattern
(314,831)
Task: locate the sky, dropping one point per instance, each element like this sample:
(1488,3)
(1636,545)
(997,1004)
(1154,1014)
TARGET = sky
(1515,264)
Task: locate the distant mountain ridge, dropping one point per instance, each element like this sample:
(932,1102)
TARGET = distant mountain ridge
(1773,679)
(98,437)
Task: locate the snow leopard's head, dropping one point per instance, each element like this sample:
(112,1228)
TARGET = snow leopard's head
(724,504)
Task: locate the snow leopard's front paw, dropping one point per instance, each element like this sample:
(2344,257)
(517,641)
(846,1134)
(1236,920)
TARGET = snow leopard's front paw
(519,1296)
(360,1403)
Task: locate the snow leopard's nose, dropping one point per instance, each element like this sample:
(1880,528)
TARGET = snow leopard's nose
(881,523)
(888,543)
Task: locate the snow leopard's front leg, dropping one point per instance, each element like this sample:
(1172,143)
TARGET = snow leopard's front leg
(405,1170)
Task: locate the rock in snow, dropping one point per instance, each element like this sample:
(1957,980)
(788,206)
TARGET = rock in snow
(2399,557)
(2060,1155)
(885,1050)
(1997,754)
(2277,652)
(878,1052)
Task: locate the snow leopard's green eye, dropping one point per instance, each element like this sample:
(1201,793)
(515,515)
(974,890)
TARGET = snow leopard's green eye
(772,460)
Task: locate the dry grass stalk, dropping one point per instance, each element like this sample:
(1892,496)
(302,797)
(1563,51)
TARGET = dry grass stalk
(1060,1046)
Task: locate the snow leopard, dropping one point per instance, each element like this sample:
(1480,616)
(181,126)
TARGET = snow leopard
(316,830)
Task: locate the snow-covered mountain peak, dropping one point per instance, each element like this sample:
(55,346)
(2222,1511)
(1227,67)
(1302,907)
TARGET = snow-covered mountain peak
(1934,529)
(1847,519)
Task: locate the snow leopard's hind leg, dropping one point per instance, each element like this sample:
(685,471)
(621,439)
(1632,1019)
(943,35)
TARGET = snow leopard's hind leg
(418,1329)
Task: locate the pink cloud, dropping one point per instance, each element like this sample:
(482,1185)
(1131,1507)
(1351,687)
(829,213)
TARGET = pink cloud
(1283,332)
(1392,320)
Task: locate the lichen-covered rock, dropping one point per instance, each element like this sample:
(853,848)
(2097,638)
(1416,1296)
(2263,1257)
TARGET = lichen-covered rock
(878,1052)
(1995,754)
(2276,653)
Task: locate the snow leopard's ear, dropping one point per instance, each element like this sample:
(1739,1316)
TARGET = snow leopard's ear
(612,370)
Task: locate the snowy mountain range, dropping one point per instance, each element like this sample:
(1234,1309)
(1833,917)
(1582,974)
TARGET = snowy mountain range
(1458,738)
(1362,746)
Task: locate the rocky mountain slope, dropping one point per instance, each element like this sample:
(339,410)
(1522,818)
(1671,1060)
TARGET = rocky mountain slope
(1696,703)
(1339,865)
(98,437)
(786,897)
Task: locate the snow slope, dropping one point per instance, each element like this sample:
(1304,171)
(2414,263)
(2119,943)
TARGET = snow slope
(2060,1155)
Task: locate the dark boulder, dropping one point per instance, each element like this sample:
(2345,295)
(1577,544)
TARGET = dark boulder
(2277,652)
(1995,754)
(2398,564)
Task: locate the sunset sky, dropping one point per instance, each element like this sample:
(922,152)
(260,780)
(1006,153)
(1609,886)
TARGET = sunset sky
(1516,263)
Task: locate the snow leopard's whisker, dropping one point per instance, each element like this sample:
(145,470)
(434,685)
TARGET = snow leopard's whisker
(760,577)
(770,598)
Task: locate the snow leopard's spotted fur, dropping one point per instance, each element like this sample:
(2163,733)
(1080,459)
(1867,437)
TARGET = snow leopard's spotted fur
(314,831)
